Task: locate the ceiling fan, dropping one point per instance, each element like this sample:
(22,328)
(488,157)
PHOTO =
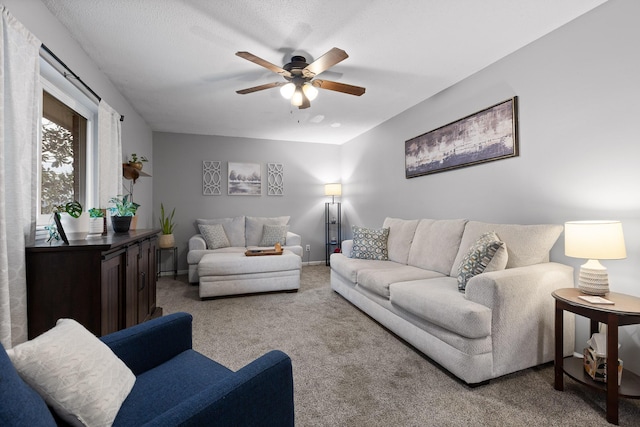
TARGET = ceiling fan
(300,85)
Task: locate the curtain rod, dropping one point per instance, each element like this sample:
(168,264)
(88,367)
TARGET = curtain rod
(72,74)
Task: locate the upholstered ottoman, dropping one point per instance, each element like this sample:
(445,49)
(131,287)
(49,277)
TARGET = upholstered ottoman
(229,273)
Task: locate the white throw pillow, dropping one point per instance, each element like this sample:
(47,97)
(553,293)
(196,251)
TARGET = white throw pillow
(75,373)
(214,236)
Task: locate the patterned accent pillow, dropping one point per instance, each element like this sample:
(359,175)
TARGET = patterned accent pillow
(272,234)
(75,373)
(479,256)
(214,235)
(370,243)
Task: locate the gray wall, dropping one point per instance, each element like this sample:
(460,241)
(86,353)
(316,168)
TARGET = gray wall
(136,134)
(178,183)
(579,100)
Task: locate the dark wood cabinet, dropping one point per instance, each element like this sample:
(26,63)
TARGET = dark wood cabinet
(106,283)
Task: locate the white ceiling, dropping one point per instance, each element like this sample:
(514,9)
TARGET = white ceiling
(174,60)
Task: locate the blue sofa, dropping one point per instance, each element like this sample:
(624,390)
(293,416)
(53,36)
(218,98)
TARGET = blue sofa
(175,385)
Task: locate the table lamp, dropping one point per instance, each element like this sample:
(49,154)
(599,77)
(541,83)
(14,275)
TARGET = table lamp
(594,240)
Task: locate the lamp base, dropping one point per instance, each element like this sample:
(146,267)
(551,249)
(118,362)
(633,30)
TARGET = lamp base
(593,278)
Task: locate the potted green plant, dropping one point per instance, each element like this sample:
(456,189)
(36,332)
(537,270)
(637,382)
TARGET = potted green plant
(122,210)
(167,239)
(136,162)
(97,221)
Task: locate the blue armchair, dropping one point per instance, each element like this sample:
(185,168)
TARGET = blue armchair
(175,385)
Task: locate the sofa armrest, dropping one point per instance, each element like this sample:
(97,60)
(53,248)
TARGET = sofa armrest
(523,313)
(150,344)
(261,393)
(292,239)
(347,246)
(197,242)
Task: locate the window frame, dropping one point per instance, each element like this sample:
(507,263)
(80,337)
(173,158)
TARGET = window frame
(57,85)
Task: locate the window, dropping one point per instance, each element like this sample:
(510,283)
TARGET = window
(67,159)
(62,155)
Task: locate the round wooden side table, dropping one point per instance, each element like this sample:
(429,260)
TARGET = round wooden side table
(624,311)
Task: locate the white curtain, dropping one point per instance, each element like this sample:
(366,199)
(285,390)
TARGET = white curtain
(20,95)
(109,153)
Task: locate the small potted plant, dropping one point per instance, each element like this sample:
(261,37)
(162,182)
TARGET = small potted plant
(97,221)
(166,240)
(136,162)
(122,210)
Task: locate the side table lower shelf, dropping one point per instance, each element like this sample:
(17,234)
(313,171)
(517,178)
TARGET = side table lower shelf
(174,252)
(629,386)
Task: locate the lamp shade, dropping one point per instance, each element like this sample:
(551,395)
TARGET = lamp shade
(594,240)
(287,90)
(334,189)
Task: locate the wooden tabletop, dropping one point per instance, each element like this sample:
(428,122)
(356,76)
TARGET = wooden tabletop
(623,304)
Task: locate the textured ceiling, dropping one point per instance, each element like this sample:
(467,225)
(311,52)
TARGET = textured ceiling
(174,60)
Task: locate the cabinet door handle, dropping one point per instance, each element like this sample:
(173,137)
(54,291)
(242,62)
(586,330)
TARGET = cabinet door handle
(143,280)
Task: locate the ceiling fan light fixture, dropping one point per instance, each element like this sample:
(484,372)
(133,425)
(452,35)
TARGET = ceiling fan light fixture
(309,91)
(297,98)
(287,90)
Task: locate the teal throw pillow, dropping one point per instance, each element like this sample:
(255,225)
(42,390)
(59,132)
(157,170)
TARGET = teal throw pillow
(479,256)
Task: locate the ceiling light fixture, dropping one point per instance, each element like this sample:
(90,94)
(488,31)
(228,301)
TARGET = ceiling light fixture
(301,88)
(297,98)
(287,90)
(310,91)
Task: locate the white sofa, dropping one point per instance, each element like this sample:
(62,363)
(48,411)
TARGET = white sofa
(502,322)
(242,232)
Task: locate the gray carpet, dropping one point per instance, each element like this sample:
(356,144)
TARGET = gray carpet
(349,371)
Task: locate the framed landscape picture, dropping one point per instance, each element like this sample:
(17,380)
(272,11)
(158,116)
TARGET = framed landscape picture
(485,136)
(244,179)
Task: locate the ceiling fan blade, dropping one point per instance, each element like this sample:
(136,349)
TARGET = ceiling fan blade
(325,62)
(266,64)
(339,87)
(261,87)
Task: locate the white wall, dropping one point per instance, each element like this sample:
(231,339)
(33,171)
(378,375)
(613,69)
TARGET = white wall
(579,99)
(178,183)
(136,134)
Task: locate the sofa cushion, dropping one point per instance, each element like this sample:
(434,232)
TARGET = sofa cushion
(272,234)
(21,405)
(185,376)
(370,243)
(75,372)
(438,301)
(349,268)
(254,226)
(436,243)
(401,233)
(233,228)
(214,235)
(488,253)
(378,280)
(526,244)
